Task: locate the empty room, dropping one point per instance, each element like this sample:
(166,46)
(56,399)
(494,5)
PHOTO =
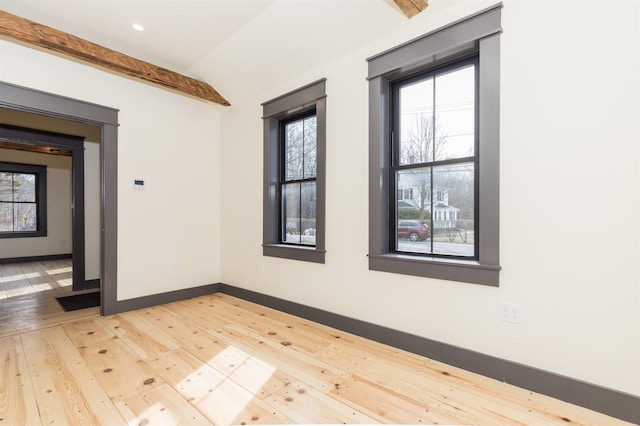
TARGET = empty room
(319,212)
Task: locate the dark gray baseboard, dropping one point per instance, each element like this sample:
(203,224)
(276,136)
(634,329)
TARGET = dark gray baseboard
(8,260)
(168,297)
(607,401)
(89,284)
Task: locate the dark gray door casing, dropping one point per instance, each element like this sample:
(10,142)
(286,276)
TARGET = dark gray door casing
(50,105)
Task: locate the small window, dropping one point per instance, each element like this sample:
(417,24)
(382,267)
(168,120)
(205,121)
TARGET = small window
(294,174)
(23,200)
(298,185)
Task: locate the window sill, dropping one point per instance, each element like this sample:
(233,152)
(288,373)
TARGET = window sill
(23,234)
(307,254)
(446,269)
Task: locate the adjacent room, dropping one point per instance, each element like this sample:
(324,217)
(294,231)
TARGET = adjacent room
(320,212)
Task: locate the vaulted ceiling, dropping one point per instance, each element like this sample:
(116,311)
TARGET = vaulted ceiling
(237,46)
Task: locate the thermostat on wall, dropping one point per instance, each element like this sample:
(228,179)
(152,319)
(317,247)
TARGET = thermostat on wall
(138,184)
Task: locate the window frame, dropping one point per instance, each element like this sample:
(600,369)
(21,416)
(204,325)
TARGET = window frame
(275,112)
(479,32)
(284,181)
(41,198)
(396,165)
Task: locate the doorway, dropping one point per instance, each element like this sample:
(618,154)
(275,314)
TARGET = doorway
(46,105)
(49,143)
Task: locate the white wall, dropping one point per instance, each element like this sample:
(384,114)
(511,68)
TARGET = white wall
(569,143)
(58,239)
(169,140)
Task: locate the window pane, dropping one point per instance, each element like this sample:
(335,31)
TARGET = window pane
(414,214)
(299,213)
(310,136)
(291,213)
(294,150)
(455,114)
(416,123)
(6,188)
(308,210)
(300,149)
(6,217)
(25,217)
(453,208)
(24,186)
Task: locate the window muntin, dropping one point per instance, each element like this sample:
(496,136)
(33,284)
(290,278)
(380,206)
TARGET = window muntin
(22,200)
(435,123)
(298,187)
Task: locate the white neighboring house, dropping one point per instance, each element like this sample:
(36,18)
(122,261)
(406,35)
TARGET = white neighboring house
(444,215)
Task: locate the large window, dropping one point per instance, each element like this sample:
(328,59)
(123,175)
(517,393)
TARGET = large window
(22,200)
(294,173)
(434,154)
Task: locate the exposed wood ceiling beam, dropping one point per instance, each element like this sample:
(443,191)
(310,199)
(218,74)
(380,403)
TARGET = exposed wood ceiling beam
(412,7)
(30,32)
(35,148)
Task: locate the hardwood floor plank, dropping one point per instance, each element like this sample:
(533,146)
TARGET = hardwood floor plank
(304,404)
(139,335)
(271,325)
(65,388)
(160,406)
(386,406)
(17,397)
(114,364)
(322,376)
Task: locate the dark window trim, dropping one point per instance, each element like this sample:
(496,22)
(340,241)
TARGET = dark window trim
(479,32)
(287,106)
(41,198)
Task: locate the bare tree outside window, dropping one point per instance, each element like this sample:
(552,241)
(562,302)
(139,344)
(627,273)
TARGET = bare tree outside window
(298,190)
(18,210)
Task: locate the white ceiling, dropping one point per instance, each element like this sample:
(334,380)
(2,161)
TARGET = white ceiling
(237,46)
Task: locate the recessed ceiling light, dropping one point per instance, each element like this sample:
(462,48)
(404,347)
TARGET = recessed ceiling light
(137,27)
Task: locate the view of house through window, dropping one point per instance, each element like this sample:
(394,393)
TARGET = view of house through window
(298,186)
(18,200)
(434,162)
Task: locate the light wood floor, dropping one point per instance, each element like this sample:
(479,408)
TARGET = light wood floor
(221,360)
(28,294)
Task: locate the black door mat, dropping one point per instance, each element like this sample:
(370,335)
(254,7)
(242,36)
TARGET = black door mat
(79,301)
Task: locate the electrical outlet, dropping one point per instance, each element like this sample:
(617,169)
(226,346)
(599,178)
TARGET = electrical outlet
(510,312)
(178,266)
(260,267)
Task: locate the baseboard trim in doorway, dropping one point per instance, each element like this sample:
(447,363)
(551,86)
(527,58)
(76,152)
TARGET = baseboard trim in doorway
(35,258)
(607,401)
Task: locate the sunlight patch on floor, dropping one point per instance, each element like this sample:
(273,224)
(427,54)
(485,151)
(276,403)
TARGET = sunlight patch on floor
(238,396)
(65,283)
(12,278)
(33,275)
(58,271)
(41,287)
